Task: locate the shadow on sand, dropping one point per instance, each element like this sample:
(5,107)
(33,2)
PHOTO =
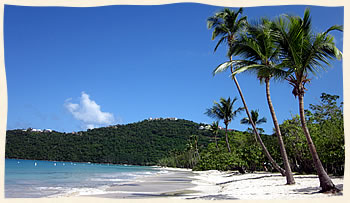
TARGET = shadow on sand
(260,177)
(315,190)
(214,197)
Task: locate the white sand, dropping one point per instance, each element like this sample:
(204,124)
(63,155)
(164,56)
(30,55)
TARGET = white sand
(256,186)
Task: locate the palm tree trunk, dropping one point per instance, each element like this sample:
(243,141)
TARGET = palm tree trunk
(216,141)
(288,171)
(266,152)
(256,140)
(227,143)
(325,181)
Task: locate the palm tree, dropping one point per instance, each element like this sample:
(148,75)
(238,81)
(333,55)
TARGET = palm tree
(303,53)
(224,111)
(214,128)
(261,55)
(192,150)
(256,121)
(227,26)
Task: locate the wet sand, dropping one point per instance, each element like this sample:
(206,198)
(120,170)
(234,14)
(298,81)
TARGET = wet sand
(177,182)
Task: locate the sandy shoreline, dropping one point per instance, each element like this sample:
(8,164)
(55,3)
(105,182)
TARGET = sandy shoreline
(216,185)
(176,182)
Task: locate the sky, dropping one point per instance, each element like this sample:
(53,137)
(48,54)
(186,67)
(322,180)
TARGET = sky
(70,69)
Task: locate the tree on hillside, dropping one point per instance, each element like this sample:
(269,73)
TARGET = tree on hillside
(214,128)
(226,25)
(305,53)
(255,119)
(224,111)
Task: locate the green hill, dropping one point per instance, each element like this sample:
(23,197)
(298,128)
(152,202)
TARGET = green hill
(141,143)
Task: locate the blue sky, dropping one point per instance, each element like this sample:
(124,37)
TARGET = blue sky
(69,69)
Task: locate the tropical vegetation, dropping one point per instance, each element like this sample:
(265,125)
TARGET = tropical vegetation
(286,49)
(325,121)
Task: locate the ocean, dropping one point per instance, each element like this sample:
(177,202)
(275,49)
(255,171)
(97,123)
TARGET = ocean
(34,179)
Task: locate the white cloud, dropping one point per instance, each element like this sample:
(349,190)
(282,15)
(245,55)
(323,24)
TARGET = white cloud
(88,112)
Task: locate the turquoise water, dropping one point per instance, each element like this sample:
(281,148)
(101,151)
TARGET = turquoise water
(32,178)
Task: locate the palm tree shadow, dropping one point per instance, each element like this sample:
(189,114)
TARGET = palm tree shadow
(260,177)
(308,190)
(315,190)
(232,174)
(214,197)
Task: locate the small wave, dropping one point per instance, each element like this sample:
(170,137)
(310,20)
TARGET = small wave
(73,192)
(50,188)
(107,179)
(163,172)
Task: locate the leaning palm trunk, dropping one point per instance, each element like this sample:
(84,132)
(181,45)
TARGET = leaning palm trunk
(226,137)
(288,171)
(325,181)
(266,152)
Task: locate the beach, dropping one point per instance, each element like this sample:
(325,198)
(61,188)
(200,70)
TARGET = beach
(216,185)
(257,186)
(34,179)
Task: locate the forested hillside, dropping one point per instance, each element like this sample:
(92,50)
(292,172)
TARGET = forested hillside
(141,143)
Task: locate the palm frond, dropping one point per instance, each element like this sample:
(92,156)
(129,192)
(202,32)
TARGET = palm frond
(262,120)
(222,67)
(221,40)
(252,67)
(245,121)
(335,27)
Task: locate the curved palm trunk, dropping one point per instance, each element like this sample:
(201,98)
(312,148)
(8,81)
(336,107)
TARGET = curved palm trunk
(325,181)
(288,171)
(266,152)
(227,143)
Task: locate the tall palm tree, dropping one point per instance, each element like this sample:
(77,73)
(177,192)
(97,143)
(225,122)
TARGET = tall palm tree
(255,119)
(305,52)
(192,150)
(262,56)
(226,25)
(224,111)
(214,128)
